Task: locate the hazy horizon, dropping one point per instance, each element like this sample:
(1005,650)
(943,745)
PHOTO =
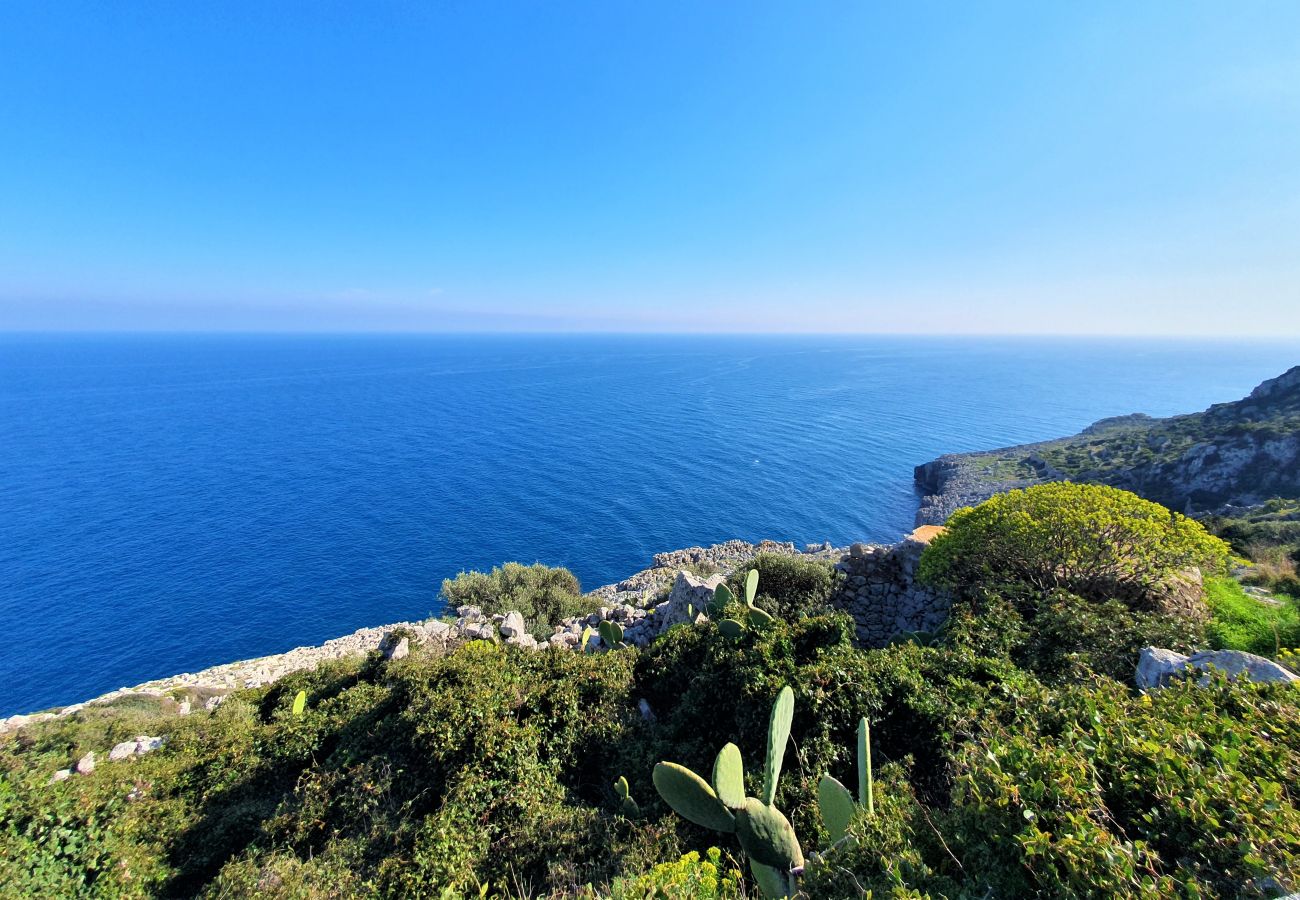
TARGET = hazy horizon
(1097,170)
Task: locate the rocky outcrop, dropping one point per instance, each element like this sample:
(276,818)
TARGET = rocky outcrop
(1157,667)
(1231,456)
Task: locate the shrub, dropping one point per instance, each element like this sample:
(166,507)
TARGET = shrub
(689,878)
(1095,541)
(788,586)
(542,594)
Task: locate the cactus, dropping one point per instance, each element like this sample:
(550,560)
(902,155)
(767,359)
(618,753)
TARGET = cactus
(866,792)
(611,633)
(753,618)
(722,597)
(300,704)
(731,628)
(765,834)
(627,806)
(834,800)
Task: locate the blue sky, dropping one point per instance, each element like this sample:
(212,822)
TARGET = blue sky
(1093,168)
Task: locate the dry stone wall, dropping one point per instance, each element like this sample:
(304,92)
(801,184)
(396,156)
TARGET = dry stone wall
(881,593)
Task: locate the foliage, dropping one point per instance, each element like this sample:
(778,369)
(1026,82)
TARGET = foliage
(542,594)
(1099,793)
(1063,638)
(688,878)
(1095,541)
(789,586)
(1243,622)
(1011,760)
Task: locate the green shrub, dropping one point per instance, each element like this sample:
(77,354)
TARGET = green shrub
(789,587)
(542,594)
(1095,541)
(688,878)
(1095,792)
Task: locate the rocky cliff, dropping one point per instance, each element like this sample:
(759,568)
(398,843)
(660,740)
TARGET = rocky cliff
(1231,456)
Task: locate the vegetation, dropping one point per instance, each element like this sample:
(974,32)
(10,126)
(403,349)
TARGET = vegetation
(542,594)
(1013,758)
(1243,622)
(788,586)
(1092,540)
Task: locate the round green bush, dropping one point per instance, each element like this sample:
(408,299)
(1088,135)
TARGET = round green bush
(1092,540)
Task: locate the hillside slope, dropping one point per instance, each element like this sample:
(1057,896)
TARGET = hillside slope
(1231,456)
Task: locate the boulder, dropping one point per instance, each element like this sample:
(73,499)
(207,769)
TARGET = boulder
(1157,666)
(512,626)
(690,596)
(142,744)
(395,646)
(61,775)
(86,764)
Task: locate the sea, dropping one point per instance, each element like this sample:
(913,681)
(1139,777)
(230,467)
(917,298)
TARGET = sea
(170,502)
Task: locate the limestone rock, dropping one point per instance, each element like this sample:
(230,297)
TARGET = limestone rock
(86,764)
(512,626)
(394,646)
(1157,666)
(61,775)
(690,596)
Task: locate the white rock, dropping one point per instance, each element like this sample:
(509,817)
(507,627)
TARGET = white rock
(690,597)
(512,625)
(394,647)
(61,775)
(86,764)
(144,744)
(183,708)
(1157,666)
(122,751)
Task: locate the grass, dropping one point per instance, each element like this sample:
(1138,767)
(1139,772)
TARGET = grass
(1242,622)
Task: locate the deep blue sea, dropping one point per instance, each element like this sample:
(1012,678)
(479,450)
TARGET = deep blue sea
(172,502)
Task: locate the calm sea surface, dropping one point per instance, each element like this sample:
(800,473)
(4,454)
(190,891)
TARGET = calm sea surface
(169,502)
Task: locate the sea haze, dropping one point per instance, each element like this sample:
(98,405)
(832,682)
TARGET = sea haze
(172,502)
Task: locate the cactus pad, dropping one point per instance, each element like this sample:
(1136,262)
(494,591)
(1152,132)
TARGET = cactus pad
(767,836)
(691,797)
(729,777)
(778,735)
(836,805)
(731,628)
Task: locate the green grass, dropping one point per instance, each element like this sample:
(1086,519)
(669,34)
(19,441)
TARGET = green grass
(1241,622)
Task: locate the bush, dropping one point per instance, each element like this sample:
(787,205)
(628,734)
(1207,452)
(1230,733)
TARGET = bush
(788,586)
(689,878)
(1094,541)
(1096,792)
(542,594)
(1063,638)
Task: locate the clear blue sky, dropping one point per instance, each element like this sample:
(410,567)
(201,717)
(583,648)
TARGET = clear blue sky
(999,167)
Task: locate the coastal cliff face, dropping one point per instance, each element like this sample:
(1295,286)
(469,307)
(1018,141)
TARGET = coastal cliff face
(1231,456)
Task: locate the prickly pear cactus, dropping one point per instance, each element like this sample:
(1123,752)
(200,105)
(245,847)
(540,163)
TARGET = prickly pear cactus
(765,834)
(611,634)
(627,806)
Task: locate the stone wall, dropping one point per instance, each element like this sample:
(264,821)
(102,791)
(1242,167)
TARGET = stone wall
(881,593)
